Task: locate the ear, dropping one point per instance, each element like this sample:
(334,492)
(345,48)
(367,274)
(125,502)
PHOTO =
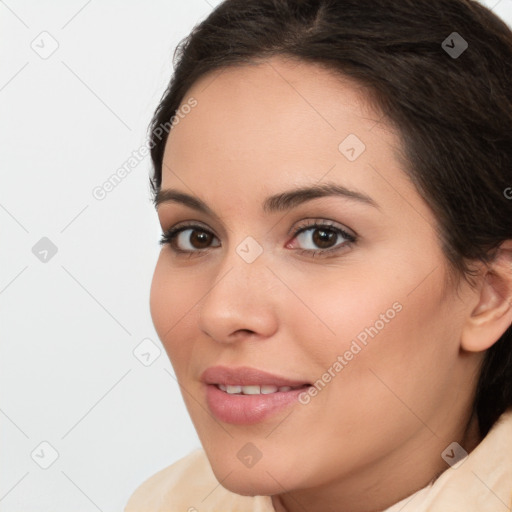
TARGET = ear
(492,316)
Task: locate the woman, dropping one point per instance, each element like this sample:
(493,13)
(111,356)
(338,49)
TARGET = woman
(334,289)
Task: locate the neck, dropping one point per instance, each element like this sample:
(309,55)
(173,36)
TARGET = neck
(387,481)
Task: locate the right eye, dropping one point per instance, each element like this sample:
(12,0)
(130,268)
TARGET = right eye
(188,239)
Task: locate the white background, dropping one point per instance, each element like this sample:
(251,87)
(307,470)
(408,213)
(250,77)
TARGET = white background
(69,326)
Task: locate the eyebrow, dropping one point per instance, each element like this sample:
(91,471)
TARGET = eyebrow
(276,203)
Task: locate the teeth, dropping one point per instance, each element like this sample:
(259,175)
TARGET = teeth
(268,389)
(254,390)
(251,390)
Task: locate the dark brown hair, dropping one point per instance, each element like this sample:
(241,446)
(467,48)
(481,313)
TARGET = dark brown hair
(453,112)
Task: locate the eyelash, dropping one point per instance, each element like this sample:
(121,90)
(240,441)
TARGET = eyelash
(170,235)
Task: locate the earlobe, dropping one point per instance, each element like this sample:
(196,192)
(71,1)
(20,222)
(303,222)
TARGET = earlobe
(492,316)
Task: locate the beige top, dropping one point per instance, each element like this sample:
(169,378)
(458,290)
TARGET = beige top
(481,482)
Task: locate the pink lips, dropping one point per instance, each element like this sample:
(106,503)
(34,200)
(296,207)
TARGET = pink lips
(245,376)
(247,409)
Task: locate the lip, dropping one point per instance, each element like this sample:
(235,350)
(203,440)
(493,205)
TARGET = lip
(247,409)
(245,376)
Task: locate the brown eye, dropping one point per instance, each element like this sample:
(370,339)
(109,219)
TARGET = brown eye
(324,238)
(193,239)
(318,238)
(200,239)
(189,239)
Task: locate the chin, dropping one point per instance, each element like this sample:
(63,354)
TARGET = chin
(260,480)
(251,485)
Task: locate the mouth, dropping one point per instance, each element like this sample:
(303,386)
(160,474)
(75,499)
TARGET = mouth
(244,395)
(254,389)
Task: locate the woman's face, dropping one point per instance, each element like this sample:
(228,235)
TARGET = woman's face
(368,316)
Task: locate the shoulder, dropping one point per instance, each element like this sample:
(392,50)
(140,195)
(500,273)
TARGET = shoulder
(189,485)
(156,490)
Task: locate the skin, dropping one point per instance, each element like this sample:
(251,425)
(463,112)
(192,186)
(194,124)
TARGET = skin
(375,433)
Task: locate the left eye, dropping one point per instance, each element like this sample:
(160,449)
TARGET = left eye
(322,238)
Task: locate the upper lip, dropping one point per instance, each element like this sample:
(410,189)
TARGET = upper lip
(245,376)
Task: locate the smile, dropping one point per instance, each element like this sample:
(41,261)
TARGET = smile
(256,390)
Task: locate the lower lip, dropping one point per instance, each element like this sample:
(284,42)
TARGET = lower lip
(248,409)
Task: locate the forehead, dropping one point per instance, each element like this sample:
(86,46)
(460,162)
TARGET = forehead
(275,115)
(285,81)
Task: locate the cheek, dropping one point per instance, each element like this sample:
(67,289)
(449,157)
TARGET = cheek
(341,309)
(160,305)
(378,320)
(172,301)
(398,349)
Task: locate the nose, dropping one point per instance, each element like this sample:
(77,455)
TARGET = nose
(240,303)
